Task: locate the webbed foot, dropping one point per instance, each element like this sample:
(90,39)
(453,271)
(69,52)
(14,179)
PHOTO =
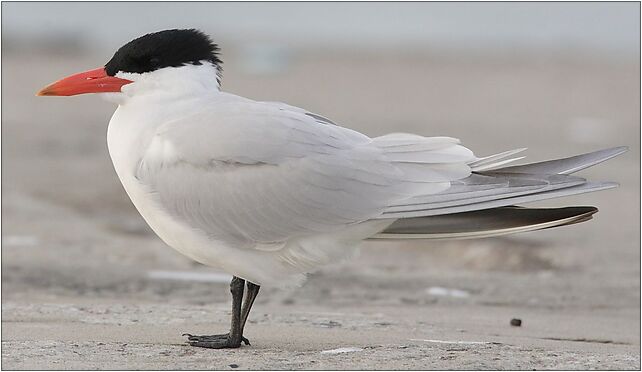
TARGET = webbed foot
(223,341)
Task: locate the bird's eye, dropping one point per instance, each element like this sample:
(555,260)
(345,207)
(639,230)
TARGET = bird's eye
(154,61)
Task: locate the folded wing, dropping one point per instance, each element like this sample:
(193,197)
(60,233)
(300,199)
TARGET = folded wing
(257,174)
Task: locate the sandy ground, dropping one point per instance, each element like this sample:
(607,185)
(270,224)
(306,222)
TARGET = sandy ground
(86,285)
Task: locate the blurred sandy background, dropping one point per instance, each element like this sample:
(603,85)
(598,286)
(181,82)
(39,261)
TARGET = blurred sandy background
(87,285)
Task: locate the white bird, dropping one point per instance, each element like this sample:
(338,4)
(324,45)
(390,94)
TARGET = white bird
(269,192)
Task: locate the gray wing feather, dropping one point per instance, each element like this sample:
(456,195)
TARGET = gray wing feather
(508,186)
(580,189)
(566,165)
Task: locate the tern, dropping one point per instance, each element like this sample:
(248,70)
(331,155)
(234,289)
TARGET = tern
(270,192)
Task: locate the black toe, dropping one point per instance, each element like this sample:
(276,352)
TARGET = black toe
(215,341)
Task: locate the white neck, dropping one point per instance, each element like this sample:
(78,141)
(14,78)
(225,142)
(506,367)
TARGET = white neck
(168,83)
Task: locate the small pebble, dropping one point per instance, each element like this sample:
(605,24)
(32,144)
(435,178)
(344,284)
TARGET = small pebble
(288,301)
(234,366)
(516,322)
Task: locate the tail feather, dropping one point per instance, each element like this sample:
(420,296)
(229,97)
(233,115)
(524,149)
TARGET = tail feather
(485,223)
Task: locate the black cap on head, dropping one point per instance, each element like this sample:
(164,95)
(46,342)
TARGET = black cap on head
(169,48)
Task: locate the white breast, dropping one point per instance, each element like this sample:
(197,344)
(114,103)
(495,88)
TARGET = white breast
(129,135)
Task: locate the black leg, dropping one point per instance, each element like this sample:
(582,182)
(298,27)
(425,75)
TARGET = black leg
(235,336)
(237,286)
(250,295)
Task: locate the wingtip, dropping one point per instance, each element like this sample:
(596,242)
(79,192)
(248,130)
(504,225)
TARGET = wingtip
(620,149)
(586,210)
(612,152)
(607,185)
(598,157)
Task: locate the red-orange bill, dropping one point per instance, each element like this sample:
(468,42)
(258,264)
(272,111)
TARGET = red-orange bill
(92,81)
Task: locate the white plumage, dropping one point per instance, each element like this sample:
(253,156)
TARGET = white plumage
(268,191)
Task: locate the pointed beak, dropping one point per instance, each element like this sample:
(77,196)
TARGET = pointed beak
(93,81)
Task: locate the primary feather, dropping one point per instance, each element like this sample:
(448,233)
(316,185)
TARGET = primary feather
(485,223)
